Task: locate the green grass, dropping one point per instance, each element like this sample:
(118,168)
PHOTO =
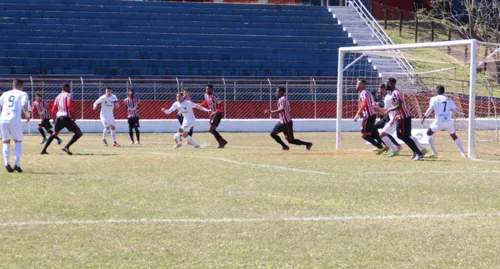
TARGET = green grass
(153,181)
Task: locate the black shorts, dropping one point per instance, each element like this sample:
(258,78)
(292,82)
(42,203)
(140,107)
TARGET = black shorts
(404,127)
(68,123)
(286,128)
(45,123)
(215,119)
(133,122)
(368,124)
(380,123)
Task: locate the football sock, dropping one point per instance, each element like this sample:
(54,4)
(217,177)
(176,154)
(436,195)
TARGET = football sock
(104,133)
(75,137)
(18,150)
(417,143)
(47,144)
(460,146)
(389,143)
(191,140)
(432,145)
(298,142)
(138,134)
(131,134)
(113,134)
(42,132)
(277,138)
(6,153)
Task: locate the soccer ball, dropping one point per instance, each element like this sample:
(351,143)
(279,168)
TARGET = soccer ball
(178,137)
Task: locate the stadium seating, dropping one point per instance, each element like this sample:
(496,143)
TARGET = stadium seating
(134,38)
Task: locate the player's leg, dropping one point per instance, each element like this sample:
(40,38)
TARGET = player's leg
(57,128)
(48,127)
(77,133)
(112,126)
(42,132)
(17,131)
(376,134)
(186,127)
(430,133)
(451,130)
(6,136)
(214,123)
(131,125)
(278,128)
(137,132)
(387,141)
(404,133)
(288,132)
(367,133)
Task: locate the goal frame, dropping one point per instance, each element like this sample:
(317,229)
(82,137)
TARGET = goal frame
(473,43)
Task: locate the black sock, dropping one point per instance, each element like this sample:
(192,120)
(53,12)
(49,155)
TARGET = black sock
(51,132)
(47,144)
(277,138)
(138,134)
(131,134)
(75,137)
(42,132)
(373,142)
(191,132)
(298,142)
(393,140)
(217,136)
(411,144)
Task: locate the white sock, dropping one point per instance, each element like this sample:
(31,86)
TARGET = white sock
(113,134)
(389,143)
(431,143)
(104,133)
(6,153)
(191,140)
(18,150)
(420,147)
(460,146)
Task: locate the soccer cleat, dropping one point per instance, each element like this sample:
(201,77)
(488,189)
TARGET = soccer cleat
(433,156)
(418,158)
(18,169)
(59,141)
(65,149)
(309,146)
(105,142)
(44,152)
(132,142)
(285,148)
(393,154)
(178,145)
(137,143)
(424,151)
(382,150)
(222,144)
(115,144)
(9,168)
(196,147)
(43,140)
(413,156)
(463,155)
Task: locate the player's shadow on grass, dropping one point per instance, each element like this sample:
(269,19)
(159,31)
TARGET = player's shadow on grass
(94,154)
(48,173)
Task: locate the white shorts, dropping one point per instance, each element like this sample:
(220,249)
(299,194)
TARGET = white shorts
(388,129)
(187,124)
(107,120)
(448,125)
(12,131)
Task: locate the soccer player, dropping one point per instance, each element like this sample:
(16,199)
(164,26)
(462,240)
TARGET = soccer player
(186,108)
(180,118)
(215,105)
(443,108)
(11,104)
(285,124)
(132,103)
(62,109)
(387,122)
(367,110)
(403,126)
(108,103)
(42,107)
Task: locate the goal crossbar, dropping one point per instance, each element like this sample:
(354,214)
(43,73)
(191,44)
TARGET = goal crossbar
(473,43)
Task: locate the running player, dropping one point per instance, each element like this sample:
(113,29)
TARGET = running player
(387,122)
(180,118)
(367,110)
(443,108)
(403,126)
(11,104)
(285,124)
(132,103)
(42,107)
(186,108)
(213,102)
(62,110)
(108,103)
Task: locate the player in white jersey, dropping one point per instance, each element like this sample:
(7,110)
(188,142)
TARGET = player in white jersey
(186,108)
(108,103)
(11,104)
(443,108)
(387,123)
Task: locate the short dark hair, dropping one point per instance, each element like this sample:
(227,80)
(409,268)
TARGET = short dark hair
(210,86)
(393,80)
(382,86)
(282,89)
(362,80)
(66,86)
(17,82)
(440,89)
(131,90)
(39,95)
(109,88)
(185,90)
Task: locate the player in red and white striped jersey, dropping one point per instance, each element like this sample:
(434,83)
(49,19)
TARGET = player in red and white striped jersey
(403,127)
(213,103)
(42,107)
(285,124)
(132,104)
(62,110)
(367,110)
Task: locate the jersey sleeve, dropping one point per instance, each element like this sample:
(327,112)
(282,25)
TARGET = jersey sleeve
(25,103)
(219,105)
(173,108)
(69,104)
(431,108)
(1,101)
(115,102)
(453,106)
(194,105)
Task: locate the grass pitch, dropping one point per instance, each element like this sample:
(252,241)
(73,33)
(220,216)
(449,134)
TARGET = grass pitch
(248,205)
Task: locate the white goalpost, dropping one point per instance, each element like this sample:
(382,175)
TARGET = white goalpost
(453,64)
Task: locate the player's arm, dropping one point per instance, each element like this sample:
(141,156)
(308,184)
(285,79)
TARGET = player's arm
(1,102)
(97,102)
(453,108)
(138,102)
(200,107)
(428,112)
(116,103)
(281,108)
(173,108)
(361,108)
(396,107)
(25,103)
(204,103)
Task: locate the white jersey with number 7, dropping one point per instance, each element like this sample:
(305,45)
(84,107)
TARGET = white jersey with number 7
(443,108)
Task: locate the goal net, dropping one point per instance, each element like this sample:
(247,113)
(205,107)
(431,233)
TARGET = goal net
(469,70)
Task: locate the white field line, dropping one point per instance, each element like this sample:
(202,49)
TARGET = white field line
(430,172)
(248,220)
